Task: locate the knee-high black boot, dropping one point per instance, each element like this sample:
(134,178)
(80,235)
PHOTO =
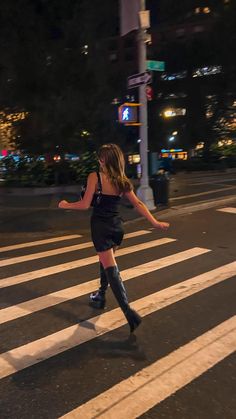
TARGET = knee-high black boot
(97,298)
(119,292)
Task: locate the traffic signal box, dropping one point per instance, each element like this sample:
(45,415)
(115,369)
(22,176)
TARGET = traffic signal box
(128,114)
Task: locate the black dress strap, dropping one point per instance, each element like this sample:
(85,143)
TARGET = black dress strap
(99,183)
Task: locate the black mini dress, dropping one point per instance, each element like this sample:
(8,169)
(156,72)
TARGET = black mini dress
(106,224)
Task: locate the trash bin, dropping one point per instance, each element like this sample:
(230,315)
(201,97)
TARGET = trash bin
(160,186)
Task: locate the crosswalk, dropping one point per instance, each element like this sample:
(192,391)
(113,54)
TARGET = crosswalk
(65,285)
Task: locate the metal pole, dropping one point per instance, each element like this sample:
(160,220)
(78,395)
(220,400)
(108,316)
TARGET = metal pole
(144,192)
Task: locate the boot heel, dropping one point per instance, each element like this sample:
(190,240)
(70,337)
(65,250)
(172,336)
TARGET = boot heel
(97,304)
(133,319)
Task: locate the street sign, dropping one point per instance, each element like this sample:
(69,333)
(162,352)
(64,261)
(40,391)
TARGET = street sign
(138,79)
(156,65)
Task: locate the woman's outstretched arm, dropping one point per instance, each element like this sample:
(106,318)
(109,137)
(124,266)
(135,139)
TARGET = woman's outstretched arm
(84,203)
(143,210)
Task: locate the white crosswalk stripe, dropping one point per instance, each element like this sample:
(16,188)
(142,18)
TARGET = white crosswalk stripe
(177,198)
(55,252)
(230,210)
(40,273)
(39,242)
(151,384)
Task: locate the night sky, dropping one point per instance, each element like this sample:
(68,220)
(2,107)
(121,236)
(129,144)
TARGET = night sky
(152,5)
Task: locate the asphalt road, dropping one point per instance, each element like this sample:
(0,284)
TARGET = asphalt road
(30,214)
(58,354)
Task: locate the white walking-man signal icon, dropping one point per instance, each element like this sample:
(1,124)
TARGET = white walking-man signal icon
(125,115)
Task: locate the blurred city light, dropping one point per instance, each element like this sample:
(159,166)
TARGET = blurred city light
(207,71)
(169,113)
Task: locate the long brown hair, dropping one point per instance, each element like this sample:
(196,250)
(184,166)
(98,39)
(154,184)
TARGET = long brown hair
(114,162)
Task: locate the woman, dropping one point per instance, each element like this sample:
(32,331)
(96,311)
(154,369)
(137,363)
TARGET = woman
(108,186)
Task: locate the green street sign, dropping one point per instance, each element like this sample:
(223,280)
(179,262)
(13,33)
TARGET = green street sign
(156,65)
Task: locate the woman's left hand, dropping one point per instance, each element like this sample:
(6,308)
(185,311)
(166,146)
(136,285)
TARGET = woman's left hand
(63,204)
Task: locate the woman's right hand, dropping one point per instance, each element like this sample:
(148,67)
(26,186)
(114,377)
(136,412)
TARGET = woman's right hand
(161,224)
(63,204)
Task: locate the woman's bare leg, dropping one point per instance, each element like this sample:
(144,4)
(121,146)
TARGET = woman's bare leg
(107,258)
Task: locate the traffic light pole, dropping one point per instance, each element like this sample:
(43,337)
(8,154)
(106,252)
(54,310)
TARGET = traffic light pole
(144,191)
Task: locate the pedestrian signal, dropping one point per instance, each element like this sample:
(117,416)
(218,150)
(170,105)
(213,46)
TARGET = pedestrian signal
(128,114)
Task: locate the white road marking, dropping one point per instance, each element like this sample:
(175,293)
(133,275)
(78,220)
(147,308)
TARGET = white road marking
(59,342)
(40,303)
(153,384)
(220,182)
(53,252)
(201,193)
(228,209)
(39,242)
(40,273)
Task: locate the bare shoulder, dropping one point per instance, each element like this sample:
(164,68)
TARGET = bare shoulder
(92,176)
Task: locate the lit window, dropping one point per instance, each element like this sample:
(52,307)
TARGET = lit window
(200,145)
(84,50)
(207,71)
(115,101)
(225,141)
(174,76)
(169,113)
(174,95)
(85,133)
(134,158)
